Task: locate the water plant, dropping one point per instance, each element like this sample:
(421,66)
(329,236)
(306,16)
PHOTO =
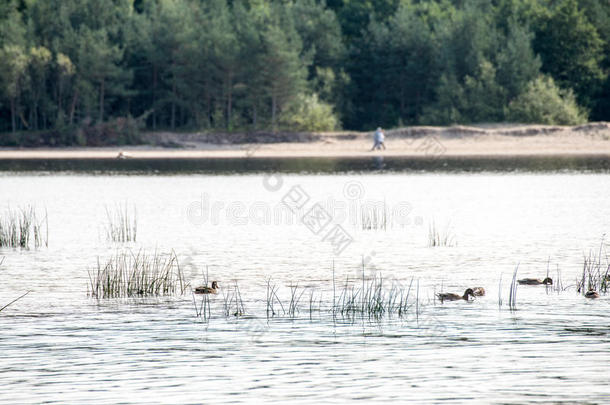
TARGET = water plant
(137,274)
(295,298)
(500,292)
(372,300)
(374,217)
(272,299)
(13,301)
(121,223)
(437,237)
(595,272)
(204,309)
(21,228)
(512,295)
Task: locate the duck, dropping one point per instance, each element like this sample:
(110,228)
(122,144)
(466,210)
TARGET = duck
(207,290)
(591,294)
(455,297)
(478,291)
(536,281)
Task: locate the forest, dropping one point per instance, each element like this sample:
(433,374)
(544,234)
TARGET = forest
(94,72)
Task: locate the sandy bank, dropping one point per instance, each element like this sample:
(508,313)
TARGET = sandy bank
(590,139)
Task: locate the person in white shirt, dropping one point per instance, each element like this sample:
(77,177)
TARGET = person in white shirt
(378,139)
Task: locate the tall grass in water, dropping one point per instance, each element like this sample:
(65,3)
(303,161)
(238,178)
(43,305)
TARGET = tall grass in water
(437,237)
(374,218)
(512,297)
(272,299)
(204,310)
(13,301)
(233,305)
(129,274)
(21,228)
(595,272)
(122,223)
(295,298)
(371,299)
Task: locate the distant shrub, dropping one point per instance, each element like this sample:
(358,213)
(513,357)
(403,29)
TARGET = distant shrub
(118,131)
(308,113)
(543,102)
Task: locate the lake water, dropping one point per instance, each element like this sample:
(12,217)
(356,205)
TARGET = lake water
(60,345)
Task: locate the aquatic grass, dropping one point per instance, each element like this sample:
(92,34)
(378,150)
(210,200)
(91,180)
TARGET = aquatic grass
(311,301)
(240,310)
(204,310)
(295,298)
(595,272)
(272,298)
(13,301)
(21,228)
(558,283)
(500,293)
(373,300)
(121,223)
(512,297)
(374,217)
(442,238)
(129,274)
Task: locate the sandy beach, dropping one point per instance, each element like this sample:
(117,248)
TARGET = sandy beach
(589,139)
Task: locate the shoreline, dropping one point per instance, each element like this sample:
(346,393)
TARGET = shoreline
(413,142)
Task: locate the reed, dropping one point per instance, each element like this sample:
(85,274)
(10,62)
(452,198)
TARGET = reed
(500,293)
(512,297)
(204,310)
(21,228)
(375,301)
(374,218)
(272,299)
(311,302)
(121,223)
(129,274)
(240,310)
(595,272)
(233,304)
(437,237)
(13,301)
(295,298)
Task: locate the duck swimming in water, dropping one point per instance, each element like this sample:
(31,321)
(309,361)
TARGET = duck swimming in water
(207,290)
(478,291)
(535,281)
(455,297)
(591,294)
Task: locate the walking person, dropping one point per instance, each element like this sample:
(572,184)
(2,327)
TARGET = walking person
(378,139)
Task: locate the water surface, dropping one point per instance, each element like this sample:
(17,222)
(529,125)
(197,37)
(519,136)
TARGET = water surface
(59,345)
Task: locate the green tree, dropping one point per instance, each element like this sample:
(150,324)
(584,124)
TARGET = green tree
(13,57)
(13,65)
(544,103)
(517,64)
(39,64)
(283,70)
(571,50)
(308,113)
(99,66)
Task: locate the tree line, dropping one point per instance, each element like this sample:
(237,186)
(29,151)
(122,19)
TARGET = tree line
(93,71)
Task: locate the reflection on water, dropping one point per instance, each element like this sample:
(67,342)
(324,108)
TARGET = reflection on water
(316,165)
(58,345)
